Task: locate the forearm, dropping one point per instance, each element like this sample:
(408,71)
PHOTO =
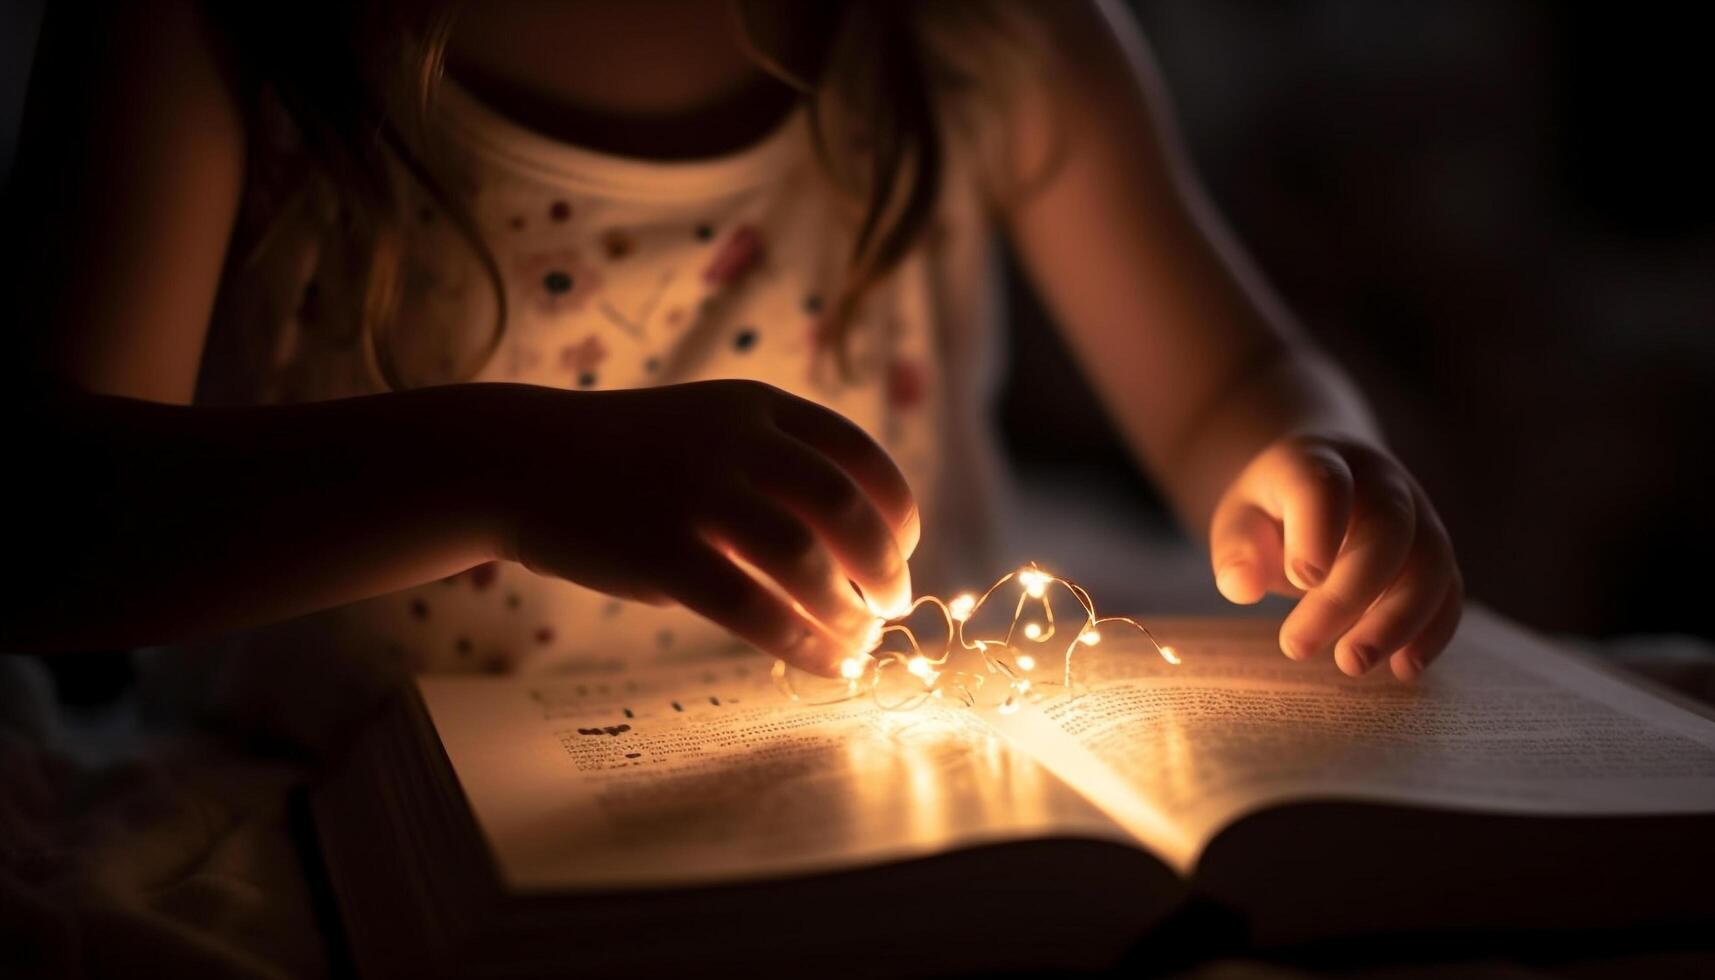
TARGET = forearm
(139,522)
(1196,359)
(1284,389)
(1259,441)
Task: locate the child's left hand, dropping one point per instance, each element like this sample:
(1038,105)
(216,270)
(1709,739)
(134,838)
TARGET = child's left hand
(1341,523)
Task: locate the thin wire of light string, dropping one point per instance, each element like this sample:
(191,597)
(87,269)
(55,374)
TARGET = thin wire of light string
(1001,658)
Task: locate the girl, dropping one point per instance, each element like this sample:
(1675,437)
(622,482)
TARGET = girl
(550,329)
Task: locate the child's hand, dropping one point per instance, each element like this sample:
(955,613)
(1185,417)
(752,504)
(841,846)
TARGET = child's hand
(1341,523)
(648,494)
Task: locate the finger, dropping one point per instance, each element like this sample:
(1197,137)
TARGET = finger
(1245,549)
(1313,490)
(781,546)
(706,583)
(1410,662)
(866,462)
(827,499)
(1405,609)
(1384,517)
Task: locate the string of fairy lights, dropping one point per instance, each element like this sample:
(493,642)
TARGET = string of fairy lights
(1029,658)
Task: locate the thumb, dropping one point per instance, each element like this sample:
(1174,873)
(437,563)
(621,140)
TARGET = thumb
(1246,551)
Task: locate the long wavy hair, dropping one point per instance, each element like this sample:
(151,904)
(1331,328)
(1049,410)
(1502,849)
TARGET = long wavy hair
(350,88)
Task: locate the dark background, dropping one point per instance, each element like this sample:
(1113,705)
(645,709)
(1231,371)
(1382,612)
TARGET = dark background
(1500,216)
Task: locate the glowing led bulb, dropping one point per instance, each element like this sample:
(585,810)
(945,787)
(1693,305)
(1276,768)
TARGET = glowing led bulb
(1033,581)
(999,651)
(961,607)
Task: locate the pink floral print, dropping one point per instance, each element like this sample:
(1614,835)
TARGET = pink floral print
(740,253)
(906,384)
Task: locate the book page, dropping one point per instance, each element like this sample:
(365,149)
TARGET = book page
(619,777)
(1502,723)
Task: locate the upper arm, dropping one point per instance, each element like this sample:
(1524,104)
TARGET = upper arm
(130,170)
(1163,309)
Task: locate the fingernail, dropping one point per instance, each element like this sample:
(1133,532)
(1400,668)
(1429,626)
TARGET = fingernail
(893,600)
(1363,657)
(853,621)
(1293,649)
(1415,664)
(1228,580)
(1309,576)
(903,606)
(888,610)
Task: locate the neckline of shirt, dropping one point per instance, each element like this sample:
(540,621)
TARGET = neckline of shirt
(637,178)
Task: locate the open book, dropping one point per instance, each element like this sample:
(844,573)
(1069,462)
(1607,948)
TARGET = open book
(686,815)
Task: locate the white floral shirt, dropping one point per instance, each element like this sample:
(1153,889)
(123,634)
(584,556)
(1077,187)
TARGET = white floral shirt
(624,273)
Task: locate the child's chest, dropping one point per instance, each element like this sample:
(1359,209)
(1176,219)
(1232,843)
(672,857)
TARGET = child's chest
(609,292)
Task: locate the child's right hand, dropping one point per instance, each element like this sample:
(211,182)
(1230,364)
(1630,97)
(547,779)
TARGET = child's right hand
(646,493)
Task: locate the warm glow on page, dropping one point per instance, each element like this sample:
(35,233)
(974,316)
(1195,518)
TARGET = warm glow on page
(1001,667)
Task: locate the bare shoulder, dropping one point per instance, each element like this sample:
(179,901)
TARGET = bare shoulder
(131,161)
(1087,41)
(107,61)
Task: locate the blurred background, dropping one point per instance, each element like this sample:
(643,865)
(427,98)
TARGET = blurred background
(1500,215)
